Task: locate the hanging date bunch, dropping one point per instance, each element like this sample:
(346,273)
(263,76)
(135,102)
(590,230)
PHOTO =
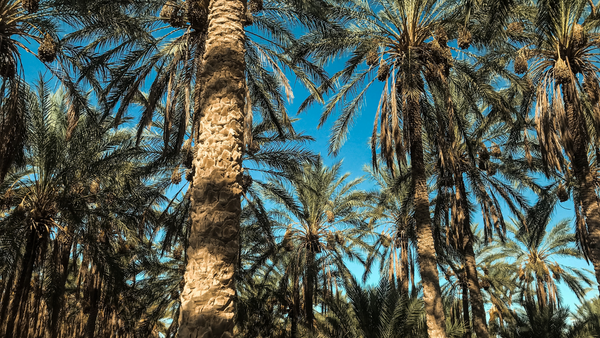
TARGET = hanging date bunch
(48,49)
(465,38)
(31,6)
(172,14)
(197,13)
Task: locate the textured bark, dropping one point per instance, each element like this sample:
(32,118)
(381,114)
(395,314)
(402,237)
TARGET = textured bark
(295,307)
(57,298)
(477,307)
(404,266)
(465,308)
(576,146)
(208,298)
(23,284)
(309,291)
(94,294)
(432,295)
(6,298)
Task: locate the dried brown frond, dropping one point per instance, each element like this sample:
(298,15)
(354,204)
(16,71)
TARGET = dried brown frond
(255,5)
(562,193)
(516,27)
(520,64)
(441,36)
(383,71)
(372,57)
(562,74)
(48,49)
(176,176)
(464,39)
(31,6)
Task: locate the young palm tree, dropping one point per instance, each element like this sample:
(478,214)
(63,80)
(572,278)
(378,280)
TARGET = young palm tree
(324,226)
(533,250)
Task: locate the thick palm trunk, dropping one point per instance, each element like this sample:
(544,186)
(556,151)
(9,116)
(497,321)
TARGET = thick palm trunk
(577,151)
(432,295)
(208,298)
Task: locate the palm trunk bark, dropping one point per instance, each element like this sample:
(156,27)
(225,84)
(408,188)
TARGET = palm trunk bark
(404,265)
(309,291)
(208,298)
(295,306)
(57,298)
(94,294)
(478,309)
(465,308)
(577,151)
(23,284)
(6,297)
(432,295)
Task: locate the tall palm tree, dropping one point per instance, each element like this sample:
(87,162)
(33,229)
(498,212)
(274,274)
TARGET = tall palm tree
(404,45)
(563,54)
(209,66)
(323,226)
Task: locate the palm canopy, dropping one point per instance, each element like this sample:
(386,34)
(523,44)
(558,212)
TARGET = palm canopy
(534,250)
(320,210)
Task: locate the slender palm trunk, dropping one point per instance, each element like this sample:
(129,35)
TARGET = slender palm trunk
(465,308)
(478,310)
(6,298)
(432,295)
(295,306)
(404,266)
(57,298)
(583,175)
(309,291)
(208,298)
(94,294)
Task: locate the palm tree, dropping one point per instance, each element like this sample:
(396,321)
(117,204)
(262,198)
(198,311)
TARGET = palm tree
(533,250)
(563,53)
(395,247)
(405,46)
(213,71)
(323,226)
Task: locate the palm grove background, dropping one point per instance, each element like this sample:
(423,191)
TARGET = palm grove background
(154,181)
